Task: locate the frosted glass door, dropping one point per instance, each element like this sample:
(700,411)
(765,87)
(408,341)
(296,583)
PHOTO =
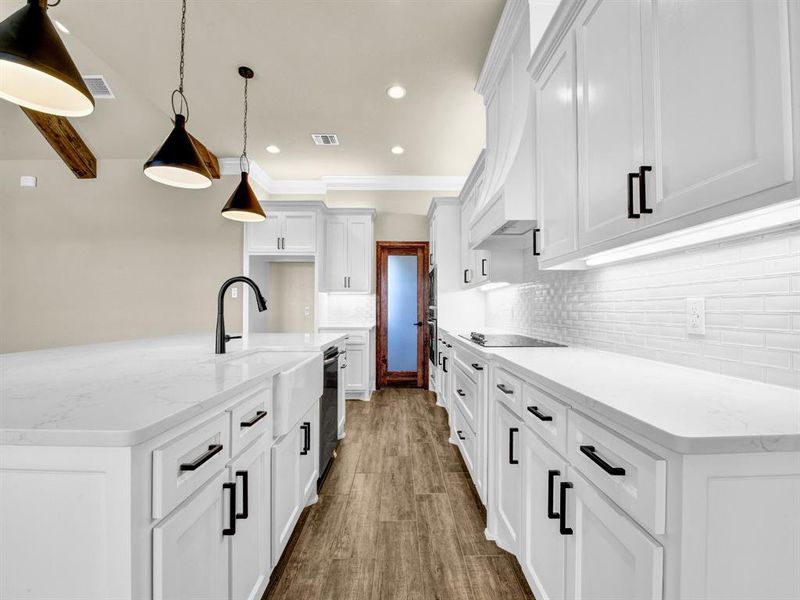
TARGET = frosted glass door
(402,307)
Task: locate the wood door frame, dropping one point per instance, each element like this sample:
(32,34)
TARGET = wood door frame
(418,378)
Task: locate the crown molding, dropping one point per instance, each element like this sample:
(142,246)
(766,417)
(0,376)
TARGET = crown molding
(321,186)
(513,21)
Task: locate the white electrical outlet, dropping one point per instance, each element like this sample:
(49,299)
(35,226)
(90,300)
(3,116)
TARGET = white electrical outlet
(307,310)
(696,316)
(235,292)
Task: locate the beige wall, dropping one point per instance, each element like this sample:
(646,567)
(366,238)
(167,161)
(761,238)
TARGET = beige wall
(117,257)
(289,290)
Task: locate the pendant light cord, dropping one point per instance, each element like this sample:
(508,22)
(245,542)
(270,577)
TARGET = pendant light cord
(179,91)
(243,160)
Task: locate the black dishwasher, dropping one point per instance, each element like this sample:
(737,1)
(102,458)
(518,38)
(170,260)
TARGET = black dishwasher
(328,413)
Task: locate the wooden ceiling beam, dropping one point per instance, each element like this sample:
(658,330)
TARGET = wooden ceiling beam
(209,158)
(67,143)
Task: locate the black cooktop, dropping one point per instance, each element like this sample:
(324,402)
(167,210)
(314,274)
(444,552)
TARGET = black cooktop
(509,341)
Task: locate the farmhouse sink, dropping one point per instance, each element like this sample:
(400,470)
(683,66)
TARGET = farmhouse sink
(295,391)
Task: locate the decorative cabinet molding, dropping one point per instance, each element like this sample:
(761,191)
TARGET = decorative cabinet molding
(349,251)
(283,232)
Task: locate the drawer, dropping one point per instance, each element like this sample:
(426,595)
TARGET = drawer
(474,366)
(631,476)
(183,465)
(356,337)
(546,416)
(508,390)
(467,442)
(250,418)
(465,395)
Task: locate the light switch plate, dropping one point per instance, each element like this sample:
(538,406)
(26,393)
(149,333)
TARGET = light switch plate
(696,316)
(235,291)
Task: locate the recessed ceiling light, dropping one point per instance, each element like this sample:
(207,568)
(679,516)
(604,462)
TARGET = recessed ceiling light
(398,149)
(60,27)
(273,149)
(396,92)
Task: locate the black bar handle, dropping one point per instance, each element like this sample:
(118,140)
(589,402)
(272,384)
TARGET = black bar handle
(466,272)
(592,454)
(202,459)
(306,427)
(245,501)
(511,432)
(477,367)
(460,434)
(562,512)
(260,414)
(483,267)
(504,389)
(534,410)
(643,190)
(440,358)
(444,364)
(551,478)
(231,509)
(460,393)
(631,214)
(536,230)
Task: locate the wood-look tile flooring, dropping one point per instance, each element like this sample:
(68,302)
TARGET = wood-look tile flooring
(398,517)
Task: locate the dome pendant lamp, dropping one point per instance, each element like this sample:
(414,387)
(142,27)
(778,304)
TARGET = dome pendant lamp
(243,204)
(36,71)
(177,162)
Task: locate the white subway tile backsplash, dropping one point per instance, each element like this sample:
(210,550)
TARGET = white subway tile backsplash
(751,289)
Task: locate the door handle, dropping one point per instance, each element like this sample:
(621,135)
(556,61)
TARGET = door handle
(345,281)
(511,432)
(440,359)
(551,477)
(477,367)
(260,414)
(535,241)
(245,501)
(504,389)
(460,434)
(643,190)
(483,267)
(418,324)
(202,459)
(460,393)
(466,272)
(631,177)
(306,427)
(231,509)
(534,410)
(562,511)
(593,456)
(278,242)
(444,364)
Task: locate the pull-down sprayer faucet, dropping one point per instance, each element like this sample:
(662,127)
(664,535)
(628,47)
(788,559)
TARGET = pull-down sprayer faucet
(260,303)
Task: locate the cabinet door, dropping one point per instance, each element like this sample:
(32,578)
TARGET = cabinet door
(432,240)
(467,275)
(357,368)
(543,548)
(608,555)
(723,113)
(265,236)
(250,555)
(359,253)
(336,253)
(309,455)
(508,497)
(190,552)
(286,500)
(557,153)
(610,115)
(299,232)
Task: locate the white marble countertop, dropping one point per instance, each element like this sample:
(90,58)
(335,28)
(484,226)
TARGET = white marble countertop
(690,411)
(123,393)
(348,326)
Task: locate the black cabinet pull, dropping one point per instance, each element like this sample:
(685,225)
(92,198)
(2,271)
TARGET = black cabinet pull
(260,414)
(592,454)
(483,267)
(631,177)
(460,393)
(278,243)
(245,501)
(511,432)
(643,190)
(231,509)
(534,410)
(504,389)
(444,364)
(306,427)
(551,478)
(440,359)
(536,230)
(477,367)
(562,511)
(460,434)
(202,459)
(466,271)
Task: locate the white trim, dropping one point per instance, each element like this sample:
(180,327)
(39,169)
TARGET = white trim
(407,183)
(515,16)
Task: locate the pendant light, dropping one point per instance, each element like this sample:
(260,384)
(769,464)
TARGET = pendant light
(36,70)
(177,162)
(243,204)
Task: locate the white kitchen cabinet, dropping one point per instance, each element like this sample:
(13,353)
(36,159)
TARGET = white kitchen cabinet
(250,546)
(309,455)
(474,270)
(190,547)
(358,361)
(349,250)
(508,482)
(608,555)
(287,501)
(283,232)
(356,373)
(543,547)
(444,218)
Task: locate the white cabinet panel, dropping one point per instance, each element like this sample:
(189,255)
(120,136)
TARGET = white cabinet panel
(608,556)
(359,253)
(309,454)
(557,154)
(610,115)
(299,232)
(357,372)
(284,232)
(723,114)
(507,452)
(336,253)
(266,235)
(286,493)
(190,552)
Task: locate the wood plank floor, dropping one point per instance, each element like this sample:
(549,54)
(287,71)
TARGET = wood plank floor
(398,517)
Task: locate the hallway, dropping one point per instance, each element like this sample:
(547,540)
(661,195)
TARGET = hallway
(398,518)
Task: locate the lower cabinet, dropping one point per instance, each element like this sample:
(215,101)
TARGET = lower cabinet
(508,500)
(309,454)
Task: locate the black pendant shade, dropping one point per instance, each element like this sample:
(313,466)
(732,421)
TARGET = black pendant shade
(243,204)
(177,162)
(36,71)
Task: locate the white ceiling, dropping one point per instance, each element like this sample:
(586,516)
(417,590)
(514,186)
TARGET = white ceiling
(321,66)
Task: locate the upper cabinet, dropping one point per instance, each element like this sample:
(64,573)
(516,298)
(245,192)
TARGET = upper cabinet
(474,263)
(681,113)
(349,251)
(444,216)
(283,232)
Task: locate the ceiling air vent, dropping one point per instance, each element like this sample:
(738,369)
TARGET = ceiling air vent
(325,139)
(98,86)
